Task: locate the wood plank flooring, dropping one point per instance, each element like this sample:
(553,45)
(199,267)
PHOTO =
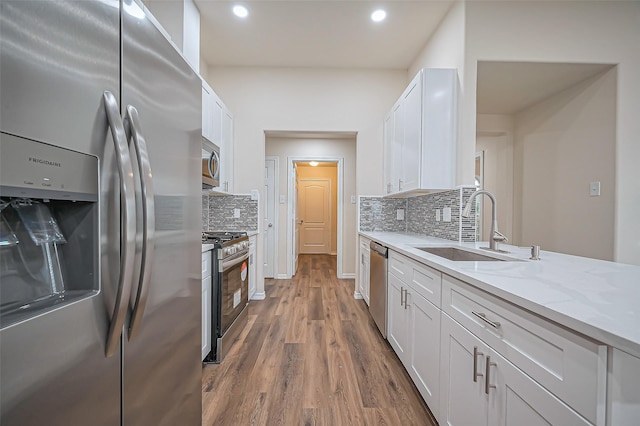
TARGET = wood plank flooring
(311,355)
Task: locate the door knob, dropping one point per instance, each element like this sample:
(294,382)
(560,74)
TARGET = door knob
(270,225)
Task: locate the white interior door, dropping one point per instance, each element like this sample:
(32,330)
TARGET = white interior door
(315,213)
(269,217)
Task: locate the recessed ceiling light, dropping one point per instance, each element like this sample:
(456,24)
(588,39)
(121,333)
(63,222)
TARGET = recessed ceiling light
(240,11)
(378,15)
(313,163)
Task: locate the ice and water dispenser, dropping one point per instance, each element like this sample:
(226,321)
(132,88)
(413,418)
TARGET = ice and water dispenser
(49,232)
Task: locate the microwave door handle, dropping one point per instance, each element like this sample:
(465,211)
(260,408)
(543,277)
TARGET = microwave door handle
(132,123)
(214,158)
(233,262)
(127,223)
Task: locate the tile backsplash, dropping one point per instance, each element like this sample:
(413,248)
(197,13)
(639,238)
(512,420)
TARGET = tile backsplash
(379,214)
(218,213)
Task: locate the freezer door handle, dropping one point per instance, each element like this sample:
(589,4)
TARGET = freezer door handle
(134,134)
(127,224)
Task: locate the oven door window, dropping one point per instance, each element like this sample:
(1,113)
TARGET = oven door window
(235,289)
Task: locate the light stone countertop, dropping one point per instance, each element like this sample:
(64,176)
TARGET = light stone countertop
(597,298)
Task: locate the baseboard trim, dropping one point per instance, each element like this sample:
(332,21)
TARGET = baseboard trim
(357,295)
(349,276)
(259,296)
(282,277)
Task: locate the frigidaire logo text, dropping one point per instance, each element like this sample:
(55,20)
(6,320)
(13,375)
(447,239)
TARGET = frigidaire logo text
(45,162)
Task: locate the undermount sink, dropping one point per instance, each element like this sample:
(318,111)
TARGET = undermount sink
(460,255)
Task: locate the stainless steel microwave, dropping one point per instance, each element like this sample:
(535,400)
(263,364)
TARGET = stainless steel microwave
(210,164)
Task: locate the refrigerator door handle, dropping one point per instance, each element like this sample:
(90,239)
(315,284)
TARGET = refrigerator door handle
(128,223)
(132,127)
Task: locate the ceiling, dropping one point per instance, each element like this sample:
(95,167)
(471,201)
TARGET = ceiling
(308,33)
(510,87)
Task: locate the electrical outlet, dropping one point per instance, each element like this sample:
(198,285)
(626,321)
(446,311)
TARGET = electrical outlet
(446,214)
(437,215)
(400,214)
(236,213)
(594,189)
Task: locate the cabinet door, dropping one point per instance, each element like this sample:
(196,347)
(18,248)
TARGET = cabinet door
(252,266)
(412,136)
(366,278)
(226,151)
(206,111)
(217,108)
(363,269)
(462,400)
(388,162)
(206,316)
(397,318)
(424,337)
(518,400)
(396,147)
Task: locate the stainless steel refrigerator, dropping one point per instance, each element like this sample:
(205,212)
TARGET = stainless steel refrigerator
(101,207)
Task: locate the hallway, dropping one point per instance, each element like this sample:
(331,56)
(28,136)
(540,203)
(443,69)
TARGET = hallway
(310,355)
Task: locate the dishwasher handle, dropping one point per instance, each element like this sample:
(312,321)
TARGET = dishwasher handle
(381,250)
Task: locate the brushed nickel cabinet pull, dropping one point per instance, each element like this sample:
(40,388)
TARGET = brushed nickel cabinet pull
(483,317)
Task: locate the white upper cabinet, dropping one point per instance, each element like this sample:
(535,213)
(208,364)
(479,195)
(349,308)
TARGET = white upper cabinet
(226,151)
(217,127)
(420,135)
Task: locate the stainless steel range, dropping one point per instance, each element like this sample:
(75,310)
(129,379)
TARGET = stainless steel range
(230,290)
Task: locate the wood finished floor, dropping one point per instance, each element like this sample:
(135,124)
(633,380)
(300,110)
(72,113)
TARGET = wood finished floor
(311,355)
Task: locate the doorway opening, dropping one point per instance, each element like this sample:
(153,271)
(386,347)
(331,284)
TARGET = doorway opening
(329,227)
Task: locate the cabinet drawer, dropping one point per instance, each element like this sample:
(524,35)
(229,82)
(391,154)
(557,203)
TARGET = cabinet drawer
(570,366)
(206,264)
(398,265)
(423,279)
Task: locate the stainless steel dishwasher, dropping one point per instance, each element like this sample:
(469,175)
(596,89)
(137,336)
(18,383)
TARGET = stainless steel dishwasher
(378,286)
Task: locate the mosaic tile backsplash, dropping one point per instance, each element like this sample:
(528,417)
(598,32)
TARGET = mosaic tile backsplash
(218,212)
(379,214)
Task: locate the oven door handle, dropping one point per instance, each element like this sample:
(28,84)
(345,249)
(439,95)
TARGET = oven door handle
(233,262)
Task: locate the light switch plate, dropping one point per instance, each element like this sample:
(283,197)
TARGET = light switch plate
(254,195)
(446,214)
(236,213)
(437,215)
(353,199)
(594,189)
(282,199)
(400,214)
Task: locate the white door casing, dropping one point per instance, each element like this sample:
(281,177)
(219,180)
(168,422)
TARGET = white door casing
(298,222)
(314,204)
(270,216)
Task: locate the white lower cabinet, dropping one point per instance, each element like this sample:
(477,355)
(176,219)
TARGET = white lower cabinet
(363,271)
(480,387)
(253,271)
(478,360)
(413,325)
(424,348)
(397,318)
(206,303)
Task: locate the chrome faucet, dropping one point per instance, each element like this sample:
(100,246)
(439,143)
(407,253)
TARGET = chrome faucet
(495,236)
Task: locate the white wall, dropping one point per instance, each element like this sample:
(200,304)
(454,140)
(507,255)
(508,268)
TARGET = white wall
(445,49)
(336,148)
(495,138)
(302,100)
(561,145)
(582,32)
